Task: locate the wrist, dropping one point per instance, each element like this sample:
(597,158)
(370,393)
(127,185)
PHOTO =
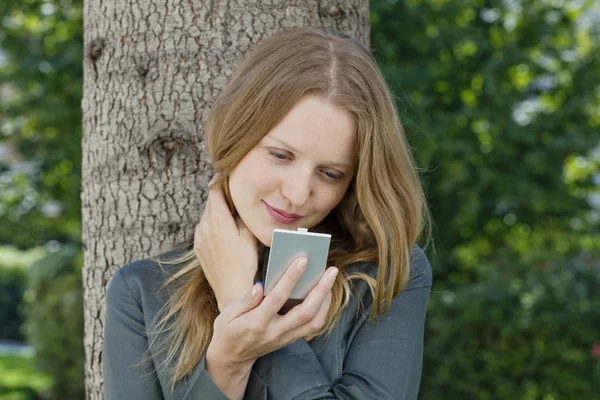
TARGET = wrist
(225,363)
(233,293)
(231,378)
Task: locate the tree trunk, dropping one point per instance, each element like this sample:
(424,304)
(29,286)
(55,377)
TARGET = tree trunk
(151,72)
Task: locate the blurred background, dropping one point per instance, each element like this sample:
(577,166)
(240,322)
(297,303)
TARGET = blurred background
(501,102)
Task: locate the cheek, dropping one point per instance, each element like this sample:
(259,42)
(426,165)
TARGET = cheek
(259,182)
(252,178)
(329,199)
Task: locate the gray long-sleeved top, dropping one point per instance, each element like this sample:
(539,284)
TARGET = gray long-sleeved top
(359,360)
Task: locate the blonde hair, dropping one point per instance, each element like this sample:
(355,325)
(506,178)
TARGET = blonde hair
(382,214)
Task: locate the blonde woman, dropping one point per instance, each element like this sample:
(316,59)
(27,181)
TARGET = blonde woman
(305,134)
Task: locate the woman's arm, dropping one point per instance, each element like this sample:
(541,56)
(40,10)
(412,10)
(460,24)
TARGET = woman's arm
(250,327)
(125,343)
(384,360)
(124,346)
(232,380)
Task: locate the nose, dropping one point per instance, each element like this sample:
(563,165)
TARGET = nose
(296,188)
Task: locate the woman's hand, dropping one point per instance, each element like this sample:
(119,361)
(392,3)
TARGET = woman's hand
(226,249)
(250,327)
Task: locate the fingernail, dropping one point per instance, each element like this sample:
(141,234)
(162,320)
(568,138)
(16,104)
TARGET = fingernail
(302,264)
(254,291)
(333,273)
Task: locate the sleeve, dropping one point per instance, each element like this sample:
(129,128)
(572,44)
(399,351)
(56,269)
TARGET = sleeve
(125,344)
(384,360)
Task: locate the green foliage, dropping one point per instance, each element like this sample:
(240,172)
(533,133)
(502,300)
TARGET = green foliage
(12,286)
(13,276)
(19,380)
(497,97)
(54,320)
(40,120)
(523,332)
(501,101)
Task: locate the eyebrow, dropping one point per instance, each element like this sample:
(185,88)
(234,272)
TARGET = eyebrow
(333,164)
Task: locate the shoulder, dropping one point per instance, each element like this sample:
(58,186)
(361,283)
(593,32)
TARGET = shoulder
(421,275)
(141,278)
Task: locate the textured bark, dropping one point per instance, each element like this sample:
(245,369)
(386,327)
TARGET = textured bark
(151,72)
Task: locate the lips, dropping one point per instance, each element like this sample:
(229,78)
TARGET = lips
(282,216)
(285,214)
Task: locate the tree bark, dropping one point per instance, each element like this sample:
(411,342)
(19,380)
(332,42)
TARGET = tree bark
(151,72)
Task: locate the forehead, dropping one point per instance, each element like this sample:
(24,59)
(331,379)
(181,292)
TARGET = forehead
(320,129)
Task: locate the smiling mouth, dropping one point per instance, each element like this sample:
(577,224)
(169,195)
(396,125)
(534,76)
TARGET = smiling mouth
(285,214)
(281,218)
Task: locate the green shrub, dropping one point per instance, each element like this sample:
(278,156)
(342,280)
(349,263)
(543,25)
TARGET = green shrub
(520,333)
(13,279)
(12,286)
(54,320)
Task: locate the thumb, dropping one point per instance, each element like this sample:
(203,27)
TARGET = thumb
(249,301)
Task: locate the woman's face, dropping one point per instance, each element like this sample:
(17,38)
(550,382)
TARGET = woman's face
(299,171)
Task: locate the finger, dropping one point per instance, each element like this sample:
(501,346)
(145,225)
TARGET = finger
(206,212)
(247,302)
(214,178)
(304,313)
(277,297)
(315,324)
(217,206)
(200,233)
(211,183)
(215,187)
(203,227)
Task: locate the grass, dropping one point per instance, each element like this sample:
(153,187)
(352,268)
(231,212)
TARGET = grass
(19,380)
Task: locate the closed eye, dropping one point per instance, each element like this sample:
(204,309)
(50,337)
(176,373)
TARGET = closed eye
(278,156)
(333,176)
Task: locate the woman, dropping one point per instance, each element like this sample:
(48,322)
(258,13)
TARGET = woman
(305,134)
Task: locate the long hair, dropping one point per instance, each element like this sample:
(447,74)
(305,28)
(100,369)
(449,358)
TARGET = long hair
(382,214)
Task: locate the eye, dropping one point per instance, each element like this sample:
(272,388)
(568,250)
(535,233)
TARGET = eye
(278,156)
(333,177)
